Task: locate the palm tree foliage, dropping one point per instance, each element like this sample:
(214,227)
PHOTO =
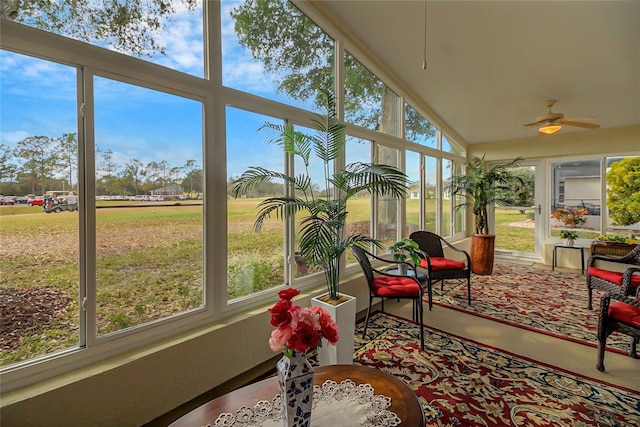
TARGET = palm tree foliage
(481,188)
(322,234)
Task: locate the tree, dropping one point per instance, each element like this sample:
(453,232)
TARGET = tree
(109,168)
(134,170)
(519,195)
(40,159)
(623,191)
(130,26)
(7,168)
(189,167)
(301,56)
(68,148)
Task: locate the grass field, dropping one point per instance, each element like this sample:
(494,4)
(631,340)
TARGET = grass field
(149,264)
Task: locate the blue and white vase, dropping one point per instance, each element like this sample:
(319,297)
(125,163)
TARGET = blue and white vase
(296,378)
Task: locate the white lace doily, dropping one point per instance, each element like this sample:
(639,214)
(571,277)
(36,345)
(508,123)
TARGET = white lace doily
(334,404)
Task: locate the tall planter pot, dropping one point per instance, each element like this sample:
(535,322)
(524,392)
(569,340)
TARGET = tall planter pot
(482,247)
(344,314)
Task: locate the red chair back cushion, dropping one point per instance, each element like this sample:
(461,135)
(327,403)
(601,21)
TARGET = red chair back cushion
(613,276)
(626,313)
(439,263)
(387,287)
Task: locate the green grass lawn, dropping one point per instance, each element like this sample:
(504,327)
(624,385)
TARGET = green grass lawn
(150,260)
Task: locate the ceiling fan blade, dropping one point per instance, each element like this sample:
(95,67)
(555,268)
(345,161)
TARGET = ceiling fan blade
(572,119)
(533,124)
(579,124)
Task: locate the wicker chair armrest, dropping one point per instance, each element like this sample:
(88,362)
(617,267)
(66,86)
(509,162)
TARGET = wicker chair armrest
(626,279)
(389,261)
(593,258)
(462,251)
(629,299)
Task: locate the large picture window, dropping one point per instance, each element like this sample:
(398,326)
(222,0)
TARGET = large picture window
(164,33)
(149,216)
(142,149)
(271,49)
(39,253)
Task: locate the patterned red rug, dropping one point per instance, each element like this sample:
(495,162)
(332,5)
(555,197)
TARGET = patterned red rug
(464,383)
(545,301)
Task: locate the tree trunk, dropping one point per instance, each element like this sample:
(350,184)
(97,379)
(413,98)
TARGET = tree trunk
(482,253)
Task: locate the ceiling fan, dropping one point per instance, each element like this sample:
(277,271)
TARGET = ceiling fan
(552,122)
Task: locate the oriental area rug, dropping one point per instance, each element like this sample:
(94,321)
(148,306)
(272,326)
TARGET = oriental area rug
(463,383)
(544,301)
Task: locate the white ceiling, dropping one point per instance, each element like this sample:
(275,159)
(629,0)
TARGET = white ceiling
(491,65)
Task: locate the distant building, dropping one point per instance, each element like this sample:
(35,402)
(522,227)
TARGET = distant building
(169,190)
(414,192)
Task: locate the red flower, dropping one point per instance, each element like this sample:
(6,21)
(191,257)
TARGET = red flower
(328,327)
(299,329)
(281,313)
(288,293)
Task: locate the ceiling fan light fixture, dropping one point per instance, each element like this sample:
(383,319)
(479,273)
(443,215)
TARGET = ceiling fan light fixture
(549,129)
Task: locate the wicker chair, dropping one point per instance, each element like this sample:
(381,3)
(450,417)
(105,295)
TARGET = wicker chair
(612,281)
(621,315)
(438,267)
(384,285)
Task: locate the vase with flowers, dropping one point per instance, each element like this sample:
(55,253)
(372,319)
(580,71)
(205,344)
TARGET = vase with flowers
(569,237)
(298,330)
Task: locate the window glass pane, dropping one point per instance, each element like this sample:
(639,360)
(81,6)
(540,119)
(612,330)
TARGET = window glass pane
(38,250)
(148,214)
(451,148)
(575,202)
(273,50)
(430,193)
(414,195)
(623,196)
(418,129)
(255,261)
(387,224)
(359,207)
(369,102)
(320,186)
(164,33)
(459,223)
(447,170)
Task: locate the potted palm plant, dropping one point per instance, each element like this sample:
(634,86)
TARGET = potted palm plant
(479,188)
(322,218)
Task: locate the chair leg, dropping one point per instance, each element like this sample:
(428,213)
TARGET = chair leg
(632,348)
(601,347)
(366,320)
(421,320)
(589,296)
(430,294)
(469,289)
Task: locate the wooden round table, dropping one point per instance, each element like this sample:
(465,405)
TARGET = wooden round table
(404,401)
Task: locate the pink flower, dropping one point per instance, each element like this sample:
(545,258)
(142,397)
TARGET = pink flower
(299,329)
(279,338)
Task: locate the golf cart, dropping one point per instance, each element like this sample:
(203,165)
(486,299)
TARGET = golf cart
(56,201)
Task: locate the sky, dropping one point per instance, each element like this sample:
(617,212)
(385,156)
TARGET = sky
(38,97)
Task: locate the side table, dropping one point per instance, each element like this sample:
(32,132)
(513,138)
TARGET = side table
(562,246)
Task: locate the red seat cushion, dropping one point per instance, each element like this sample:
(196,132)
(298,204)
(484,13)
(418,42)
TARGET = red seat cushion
(384,286)
(613,276)
(439,263)
(626,313)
